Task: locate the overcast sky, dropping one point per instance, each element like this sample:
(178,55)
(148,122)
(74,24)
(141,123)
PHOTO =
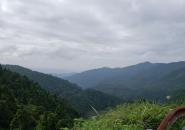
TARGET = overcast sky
(75,35)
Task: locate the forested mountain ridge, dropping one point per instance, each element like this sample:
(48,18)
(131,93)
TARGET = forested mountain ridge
(92,78)
(61,87)
(24,105)
(149,80)
(81,99)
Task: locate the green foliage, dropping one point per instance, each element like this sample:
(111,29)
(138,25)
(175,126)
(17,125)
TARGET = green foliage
(48,121)
(130,116)
(24,105)
(23,120)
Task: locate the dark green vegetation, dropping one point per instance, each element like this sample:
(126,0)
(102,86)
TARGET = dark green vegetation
(82,100)
(148,80)
(24,105)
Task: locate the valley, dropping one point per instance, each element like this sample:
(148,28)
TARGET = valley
(113,98)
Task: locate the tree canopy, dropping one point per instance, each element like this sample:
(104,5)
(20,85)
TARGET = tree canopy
(24,105)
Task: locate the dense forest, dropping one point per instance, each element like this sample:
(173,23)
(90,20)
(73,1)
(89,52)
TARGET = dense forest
(82,100)
(24,105)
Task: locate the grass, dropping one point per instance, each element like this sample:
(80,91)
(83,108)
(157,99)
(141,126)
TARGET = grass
(139,115)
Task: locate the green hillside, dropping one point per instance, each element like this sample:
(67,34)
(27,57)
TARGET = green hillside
(96,77)
(148,80)
(59,86)
(82,100)
(139,115)
(24,105)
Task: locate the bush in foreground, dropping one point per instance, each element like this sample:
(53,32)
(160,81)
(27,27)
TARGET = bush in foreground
(131,116)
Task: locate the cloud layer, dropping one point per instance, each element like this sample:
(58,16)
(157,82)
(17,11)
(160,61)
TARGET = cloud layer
(81,34)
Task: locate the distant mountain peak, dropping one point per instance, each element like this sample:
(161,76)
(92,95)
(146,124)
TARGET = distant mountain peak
(146,62)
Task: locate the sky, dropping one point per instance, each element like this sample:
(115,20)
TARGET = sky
(76,35)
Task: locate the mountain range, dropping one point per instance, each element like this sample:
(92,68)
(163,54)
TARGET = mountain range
(107,87)
(144,80)
(32,100)
(81,100)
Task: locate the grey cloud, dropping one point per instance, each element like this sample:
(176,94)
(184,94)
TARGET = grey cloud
(77,35)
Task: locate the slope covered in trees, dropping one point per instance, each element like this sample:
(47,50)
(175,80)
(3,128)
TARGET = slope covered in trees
(149,80)
(49,82)
(82,100)
(24,105)
(95,77)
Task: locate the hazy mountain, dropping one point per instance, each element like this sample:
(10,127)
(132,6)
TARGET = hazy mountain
(73,93)
(92,78)
(140,80)
(63,75)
